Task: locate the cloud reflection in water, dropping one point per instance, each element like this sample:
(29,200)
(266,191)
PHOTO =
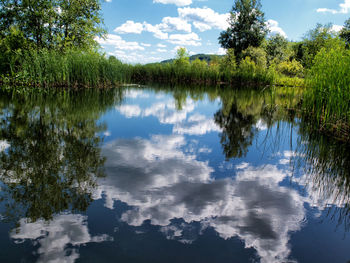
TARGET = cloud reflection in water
(161,183)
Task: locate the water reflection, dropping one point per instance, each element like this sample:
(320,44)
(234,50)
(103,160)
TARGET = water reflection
(163,183)
(327,172)
(51,155)
(54,164)
(53,237)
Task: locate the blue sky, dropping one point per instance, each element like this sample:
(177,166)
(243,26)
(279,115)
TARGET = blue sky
(143,31)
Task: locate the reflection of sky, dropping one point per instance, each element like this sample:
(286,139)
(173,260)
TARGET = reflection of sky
(162,183)
(54,237)
(167,164)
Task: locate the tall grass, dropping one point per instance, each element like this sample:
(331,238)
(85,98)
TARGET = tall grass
(327,97)
(200,74)
(73,68)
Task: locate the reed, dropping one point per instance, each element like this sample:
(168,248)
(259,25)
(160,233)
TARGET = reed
(52,68)
(327,96)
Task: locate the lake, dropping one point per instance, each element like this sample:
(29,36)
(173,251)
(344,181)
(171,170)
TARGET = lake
(169,174)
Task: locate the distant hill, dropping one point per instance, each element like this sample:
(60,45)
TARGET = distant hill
(205,57)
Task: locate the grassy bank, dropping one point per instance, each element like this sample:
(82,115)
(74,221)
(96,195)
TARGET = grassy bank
(327,96)
(74,68)
(49,68)
(325,100)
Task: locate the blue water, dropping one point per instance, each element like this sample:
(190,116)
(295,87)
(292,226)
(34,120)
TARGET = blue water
(177,184)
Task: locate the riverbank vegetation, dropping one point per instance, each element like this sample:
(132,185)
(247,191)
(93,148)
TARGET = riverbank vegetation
(53,44)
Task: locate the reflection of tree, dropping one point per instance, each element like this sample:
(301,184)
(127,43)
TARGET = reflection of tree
(238,131)
(54,155)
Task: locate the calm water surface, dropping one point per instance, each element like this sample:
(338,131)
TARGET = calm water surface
(168,175)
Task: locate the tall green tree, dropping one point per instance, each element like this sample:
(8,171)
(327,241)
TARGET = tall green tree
(322,36)
(277,48)
(53,23)
(247,27)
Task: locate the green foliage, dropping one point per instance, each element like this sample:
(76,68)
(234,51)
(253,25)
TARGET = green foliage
(290,68)
(72,68)
(247,27)
(228,63)
(345,32)
(182,58)
(328,94)
(247,68)
(257,54)
(316,39)
(10,47)
(58,24)
(277,49)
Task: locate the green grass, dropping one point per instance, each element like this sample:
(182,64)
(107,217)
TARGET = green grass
(327,96)
(46,68)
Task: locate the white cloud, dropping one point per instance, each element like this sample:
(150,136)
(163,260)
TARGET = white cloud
(161,45)
(274,28)
(129,27)
(175,2)
(170,24)
(57,236)
(156,30)
(160,50)
(343,9)
(118,43)
(204,18)
(145,45)
(191,39)
(134,57)
(337,28)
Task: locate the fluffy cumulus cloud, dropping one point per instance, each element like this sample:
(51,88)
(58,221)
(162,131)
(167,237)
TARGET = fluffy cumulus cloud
(170,24)
(343,9)
(156,30)
(204,18)
(129,27)
(118,43)
(191,39)
(253,206)
(274,28)
(174,2)
(59,239)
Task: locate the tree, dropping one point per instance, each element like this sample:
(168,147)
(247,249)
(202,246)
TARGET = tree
(182,57)
(247,27)
(345,32)
(277,49)
(322,36)
(53,23)
(228,63)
